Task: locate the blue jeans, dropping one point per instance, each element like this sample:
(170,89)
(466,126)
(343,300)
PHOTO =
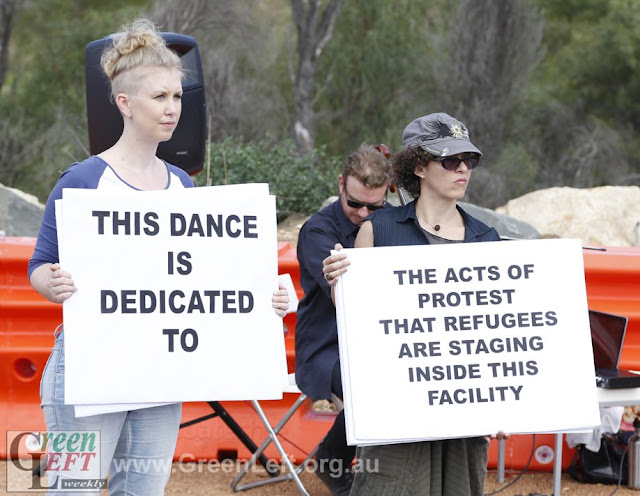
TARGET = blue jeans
(136,447)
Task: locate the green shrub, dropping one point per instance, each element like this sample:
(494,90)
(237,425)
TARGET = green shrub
(300,182)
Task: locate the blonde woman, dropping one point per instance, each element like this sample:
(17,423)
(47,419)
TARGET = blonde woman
(136,447)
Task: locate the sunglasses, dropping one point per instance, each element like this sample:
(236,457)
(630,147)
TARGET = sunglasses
(358,205)
(452,163)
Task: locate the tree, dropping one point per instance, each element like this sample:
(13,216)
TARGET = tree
(362,70)
(43,99)
(486,63)
(241,47)
(482,73)
(596,67)
(583,114)
(314,28)
(7,9)
(188,16)
(372,79)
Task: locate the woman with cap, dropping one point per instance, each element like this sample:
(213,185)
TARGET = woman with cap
(435,167)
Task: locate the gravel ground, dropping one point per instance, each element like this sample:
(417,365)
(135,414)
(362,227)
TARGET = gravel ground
(194,482)
(531,484)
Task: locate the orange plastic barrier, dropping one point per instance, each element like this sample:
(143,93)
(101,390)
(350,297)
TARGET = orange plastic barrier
(27,322)
(613,285)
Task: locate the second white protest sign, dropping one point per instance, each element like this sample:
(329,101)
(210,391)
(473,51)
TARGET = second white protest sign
(462,340)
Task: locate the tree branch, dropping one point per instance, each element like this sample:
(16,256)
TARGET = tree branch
(327,23)
(7,9)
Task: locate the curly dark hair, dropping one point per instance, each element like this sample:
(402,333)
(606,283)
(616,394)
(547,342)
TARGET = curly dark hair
(404,164)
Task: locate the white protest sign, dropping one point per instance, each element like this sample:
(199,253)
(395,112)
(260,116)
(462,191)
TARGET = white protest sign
(287,282)
(174,296)
(459,340)
(87,410)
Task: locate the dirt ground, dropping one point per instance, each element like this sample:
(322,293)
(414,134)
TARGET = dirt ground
(192,481)
(532,484)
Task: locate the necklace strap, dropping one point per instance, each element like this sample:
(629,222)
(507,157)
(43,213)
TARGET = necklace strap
(435,227)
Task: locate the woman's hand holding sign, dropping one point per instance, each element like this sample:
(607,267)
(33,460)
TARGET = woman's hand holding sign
(500,436)
(53,283)
(280,300)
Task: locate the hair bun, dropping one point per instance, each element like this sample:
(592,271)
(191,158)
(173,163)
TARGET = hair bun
(136,45)
(142,33)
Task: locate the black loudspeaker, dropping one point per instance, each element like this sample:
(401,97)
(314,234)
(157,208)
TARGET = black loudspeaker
(185,149)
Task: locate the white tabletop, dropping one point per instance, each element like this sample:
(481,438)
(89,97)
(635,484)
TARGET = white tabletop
(618,397)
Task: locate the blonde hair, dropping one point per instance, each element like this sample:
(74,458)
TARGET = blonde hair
(137,45)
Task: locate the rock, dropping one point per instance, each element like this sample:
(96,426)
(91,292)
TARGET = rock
(602,216)
(507,227)
(20,213)
(329,201)
(324,406)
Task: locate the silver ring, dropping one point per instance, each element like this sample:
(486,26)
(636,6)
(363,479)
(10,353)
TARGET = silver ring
(328,277)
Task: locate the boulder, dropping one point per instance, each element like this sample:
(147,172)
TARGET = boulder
(602,216)
(20,213)
(507,227)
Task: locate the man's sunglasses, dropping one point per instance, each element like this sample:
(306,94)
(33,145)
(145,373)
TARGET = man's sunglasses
(358,205)
(452,163)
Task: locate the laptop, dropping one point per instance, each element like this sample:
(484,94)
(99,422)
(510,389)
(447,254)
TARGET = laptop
(607,335)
